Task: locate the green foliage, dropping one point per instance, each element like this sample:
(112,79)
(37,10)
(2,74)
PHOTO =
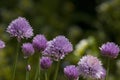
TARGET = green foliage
(59,17)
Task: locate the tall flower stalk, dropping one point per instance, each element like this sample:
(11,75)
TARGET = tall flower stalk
(45,63)
(28,50)
(27,75)
(36,73)
(39,43)
(39,69)
(108,63)
(19,28)
(57,49)
(46,76)
(110,50)
(16,59)
(28,68)
(56,71)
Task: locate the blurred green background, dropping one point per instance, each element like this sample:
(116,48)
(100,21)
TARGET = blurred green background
(86,23)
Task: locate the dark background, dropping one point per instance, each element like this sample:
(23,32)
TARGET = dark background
(92,22)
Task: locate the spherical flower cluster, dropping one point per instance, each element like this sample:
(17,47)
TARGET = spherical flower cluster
(58,48)
(45,62)
(2,44)
(91,67)
(71,72)
(110,49)
(39,42)
(20,28)
(27,49)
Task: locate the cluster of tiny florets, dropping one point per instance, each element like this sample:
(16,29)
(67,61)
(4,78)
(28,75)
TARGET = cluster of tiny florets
(58,48)
(45,62)
(71,72)
(110,49)
(27,49)
(90,67)
(39,42)
(20,28)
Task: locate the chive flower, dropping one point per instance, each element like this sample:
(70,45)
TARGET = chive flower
(39,42)
(27,49)
(45,62)
(58,48)
(90,67)
(71,72)
(110,49)
(20,28)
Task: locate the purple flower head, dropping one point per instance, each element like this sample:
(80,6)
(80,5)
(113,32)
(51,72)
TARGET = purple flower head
(45,62)
(20,28)
(2,44)
(91,67)
(39,42)
(110,49)
(71,72)
(28,68)
(27,49)
(58,48)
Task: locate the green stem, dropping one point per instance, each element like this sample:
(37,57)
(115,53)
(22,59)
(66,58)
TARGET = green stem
(107,75)
(16,59)
(38,70)
(37,74)
(56,72)
(46,78)
(27,70)
(27,75)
